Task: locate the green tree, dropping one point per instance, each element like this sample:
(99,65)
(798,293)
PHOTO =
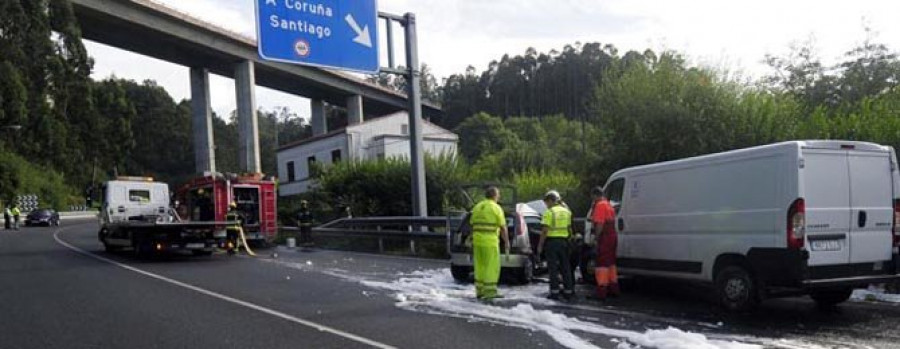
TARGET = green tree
(483,134)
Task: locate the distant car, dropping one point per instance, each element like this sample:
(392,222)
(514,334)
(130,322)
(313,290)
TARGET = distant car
(44,216)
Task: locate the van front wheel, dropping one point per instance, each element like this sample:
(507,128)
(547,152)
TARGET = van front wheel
(830,298)
(736,290)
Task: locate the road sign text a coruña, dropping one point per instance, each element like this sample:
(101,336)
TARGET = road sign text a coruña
(341,34)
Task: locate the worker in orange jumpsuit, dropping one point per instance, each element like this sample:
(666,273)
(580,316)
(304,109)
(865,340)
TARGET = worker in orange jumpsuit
(603,218)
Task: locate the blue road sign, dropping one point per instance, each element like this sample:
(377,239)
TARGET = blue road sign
(340,34)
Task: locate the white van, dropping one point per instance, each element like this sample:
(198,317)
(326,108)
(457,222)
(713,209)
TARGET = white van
(800,217)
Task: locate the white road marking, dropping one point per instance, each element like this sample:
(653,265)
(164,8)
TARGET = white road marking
(220,296)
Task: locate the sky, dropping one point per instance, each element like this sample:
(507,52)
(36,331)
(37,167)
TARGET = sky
(453,34)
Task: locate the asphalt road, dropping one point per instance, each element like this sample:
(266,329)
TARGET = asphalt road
(53,296)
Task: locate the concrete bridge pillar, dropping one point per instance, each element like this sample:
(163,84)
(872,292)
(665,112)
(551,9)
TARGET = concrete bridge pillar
(318,120)
(248,124)
(354,110)
(201,121)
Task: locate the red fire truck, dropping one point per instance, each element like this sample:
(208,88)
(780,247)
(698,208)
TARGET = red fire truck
(207,198)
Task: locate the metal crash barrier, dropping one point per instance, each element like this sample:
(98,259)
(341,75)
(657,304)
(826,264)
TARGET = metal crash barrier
(412,229)
(381,228)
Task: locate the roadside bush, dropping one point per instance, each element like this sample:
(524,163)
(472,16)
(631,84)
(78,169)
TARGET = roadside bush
(18,177)
(382,187)
(533,184)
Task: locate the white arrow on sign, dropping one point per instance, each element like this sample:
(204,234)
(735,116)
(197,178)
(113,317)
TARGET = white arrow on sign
(362,35)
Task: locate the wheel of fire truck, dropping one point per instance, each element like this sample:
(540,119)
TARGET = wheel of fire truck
(460,273)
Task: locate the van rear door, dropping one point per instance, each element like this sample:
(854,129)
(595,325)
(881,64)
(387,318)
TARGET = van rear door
(826,183)
(871,202)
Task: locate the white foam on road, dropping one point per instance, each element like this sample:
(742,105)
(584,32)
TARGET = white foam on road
(435,292)
(875,293)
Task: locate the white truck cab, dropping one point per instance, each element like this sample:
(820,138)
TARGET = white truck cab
(800,217)
(134,198)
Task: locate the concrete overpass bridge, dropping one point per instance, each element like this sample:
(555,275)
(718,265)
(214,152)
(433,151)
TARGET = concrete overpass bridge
(151,29)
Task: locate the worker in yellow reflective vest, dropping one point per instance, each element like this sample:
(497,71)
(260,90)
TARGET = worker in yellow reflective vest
(488,227)
(556,228)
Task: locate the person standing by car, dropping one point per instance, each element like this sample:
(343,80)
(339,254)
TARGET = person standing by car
(488,221)
(556,228)
(16,213)
(603,218)
(304,222)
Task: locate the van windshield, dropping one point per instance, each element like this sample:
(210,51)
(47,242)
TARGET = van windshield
(139,195)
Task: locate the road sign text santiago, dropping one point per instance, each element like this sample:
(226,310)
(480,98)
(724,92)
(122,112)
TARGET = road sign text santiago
(329,33)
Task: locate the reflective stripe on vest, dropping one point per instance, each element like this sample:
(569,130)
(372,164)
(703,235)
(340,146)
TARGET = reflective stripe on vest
(485,228)
(482,220)
(560,219)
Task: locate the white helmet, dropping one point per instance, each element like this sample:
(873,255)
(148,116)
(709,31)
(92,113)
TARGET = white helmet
(552,196)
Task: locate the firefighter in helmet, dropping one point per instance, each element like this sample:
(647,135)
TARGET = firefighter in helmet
(232,237)
(304,222)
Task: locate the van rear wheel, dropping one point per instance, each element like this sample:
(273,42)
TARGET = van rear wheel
(830,298)
(736,290)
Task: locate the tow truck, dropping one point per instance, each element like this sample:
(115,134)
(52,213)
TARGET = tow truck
(136,214)
(206,198)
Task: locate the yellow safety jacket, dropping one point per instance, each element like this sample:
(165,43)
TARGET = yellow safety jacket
(557,219)
(486,219)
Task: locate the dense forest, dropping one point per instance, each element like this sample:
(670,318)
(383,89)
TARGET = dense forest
(567,119)
(563,119)
(59,122)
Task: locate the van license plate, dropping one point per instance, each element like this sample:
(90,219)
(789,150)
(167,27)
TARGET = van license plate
(194,245)
(826,245)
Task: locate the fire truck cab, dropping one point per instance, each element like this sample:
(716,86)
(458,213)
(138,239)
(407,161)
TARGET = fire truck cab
(207,198)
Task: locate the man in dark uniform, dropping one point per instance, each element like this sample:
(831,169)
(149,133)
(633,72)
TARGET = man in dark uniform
(232,237)
(304,222)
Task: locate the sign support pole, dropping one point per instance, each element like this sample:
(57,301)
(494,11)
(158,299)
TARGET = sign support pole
(417,163)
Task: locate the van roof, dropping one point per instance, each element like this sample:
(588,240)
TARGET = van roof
(816,144)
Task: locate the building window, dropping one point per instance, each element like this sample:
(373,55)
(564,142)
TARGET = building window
(310,165)
(335,156)
(404,129)
(290,172)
